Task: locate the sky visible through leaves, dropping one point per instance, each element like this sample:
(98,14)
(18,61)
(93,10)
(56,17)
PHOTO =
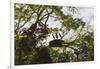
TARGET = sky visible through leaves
(86,13)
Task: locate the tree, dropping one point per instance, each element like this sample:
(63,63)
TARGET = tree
(31,29)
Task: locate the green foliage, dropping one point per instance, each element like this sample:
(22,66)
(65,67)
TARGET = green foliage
(29,46)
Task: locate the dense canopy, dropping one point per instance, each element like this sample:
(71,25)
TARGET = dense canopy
(45,34)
